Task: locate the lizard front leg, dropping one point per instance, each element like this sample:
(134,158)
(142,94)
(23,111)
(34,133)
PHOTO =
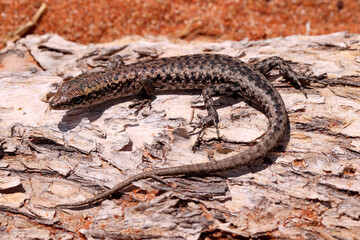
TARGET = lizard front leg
(148,92)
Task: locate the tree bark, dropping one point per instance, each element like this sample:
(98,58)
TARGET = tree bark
(308,187)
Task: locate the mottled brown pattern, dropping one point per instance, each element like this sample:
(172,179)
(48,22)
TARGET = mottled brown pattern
(215,74)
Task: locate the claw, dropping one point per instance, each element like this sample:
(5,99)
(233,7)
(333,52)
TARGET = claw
(295,78)
(140,104)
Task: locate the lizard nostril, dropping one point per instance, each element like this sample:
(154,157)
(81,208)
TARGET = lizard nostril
(53,104)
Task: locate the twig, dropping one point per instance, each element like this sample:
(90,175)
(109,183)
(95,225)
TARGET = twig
(27,27)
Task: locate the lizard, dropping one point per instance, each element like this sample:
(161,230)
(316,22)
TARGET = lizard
(213,74)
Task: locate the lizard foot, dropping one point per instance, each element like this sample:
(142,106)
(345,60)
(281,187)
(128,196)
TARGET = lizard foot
(140,104)
(203,124)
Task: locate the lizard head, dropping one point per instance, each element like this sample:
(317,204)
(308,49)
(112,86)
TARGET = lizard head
(71,94)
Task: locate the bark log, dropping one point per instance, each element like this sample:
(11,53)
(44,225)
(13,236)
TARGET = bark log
(306,188)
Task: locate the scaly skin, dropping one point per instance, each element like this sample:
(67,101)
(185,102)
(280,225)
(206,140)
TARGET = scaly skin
(215,74)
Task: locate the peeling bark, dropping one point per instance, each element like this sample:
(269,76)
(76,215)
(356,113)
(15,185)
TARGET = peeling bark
(306,188)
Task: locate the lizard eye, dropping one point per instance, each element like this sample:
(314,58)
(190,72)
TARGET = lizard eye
(77,100)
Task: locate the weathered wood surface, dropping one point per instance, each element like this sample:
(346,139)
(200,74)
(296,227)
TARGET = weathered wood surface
(308,188)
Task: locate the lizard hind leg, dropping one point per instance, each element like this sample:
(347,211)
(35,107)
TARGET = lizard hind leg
(212,119)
